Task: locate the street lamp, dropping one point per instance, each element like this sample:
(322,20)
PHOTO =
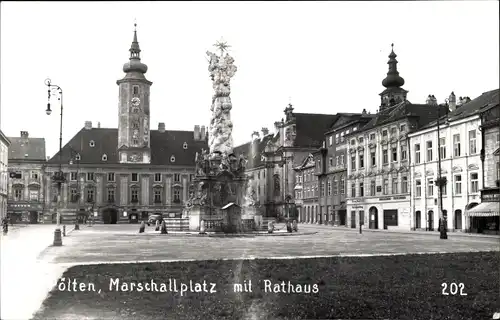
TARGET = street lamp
(58,177)
(441,182)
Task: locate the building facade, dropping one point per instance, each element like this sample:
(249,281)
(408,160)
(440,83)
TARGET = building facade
(27,163)
(456,148)
(307,190)
(331,167)
(4,174)
(485,217)
(378,162)
(124,174)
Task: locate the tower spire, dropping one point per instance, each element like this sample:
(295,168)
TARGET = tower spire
(135,63)
(393,79)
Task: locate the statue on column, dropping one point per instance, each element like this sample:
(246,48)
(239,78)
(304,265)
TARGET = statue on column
(221,70)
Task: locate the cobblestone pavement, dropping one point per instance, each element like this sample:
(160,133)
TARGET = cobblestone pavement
(109,243)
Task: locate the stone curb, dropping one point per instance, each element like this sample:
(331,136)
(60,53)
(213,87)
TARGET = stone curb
(243,235)
(425,233)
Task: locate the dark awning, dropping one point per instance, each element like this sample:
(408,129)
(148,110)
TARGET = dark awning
(485,209)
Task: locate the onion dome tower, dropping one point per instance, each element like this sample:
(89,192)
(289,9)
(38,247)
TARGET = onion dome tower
(393,94)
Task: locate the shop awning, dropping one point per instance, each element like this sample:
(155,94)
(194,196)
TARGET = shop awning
(485,209)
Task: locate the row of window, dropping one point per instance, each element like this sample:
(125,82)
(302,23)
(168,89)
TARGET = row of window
(457,151)
(33,174)
(134,195)
(33,195)
(134,177)
(308,177)
(340,137)
(403,156)
(457,185)
(333,186)
(385,187)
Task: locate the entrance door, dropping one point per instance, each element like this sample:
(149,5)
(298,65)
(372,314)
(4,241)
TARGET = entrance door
(430,220)
(458,219)
(110,216)
(373,213)
(33,218)
(353,219)
(418,220)
(342,217)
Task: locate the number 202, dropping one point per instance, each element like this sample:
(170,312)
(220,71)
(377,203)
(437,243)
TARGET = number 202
(454,289)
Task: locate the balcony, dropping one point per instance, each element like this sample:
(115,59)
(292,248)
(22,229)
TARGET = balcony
(111,200)
(157,201)
(340,167)
(134,200)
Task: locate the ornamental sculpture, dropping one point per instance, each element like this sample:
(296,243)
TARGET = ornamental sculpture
(221,70)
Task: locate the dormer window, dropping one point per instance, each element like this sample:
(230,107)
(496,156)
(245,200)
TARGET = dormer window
(172,158)
(185,146)
(92,143)
(77,157)
(104,157)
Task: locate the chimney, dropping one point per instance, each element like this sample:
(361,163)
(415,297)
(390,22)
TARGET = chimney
(88,125)
(277,126)
(98,124)
(48,158)
(452,101)
(196,132)
(203,133)
(255,135)
(161,127)
(265,132)
(431,100)
(24,134)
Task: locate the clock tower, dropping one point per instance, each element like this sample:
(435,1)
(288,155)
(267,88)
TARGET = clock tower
(133,109)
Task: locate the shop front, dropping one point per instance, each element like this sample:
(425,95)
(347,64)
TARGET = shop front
(25,212)
(485,217)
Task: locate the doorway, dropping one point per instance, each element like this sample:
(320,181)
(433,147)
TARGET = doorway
(418,220)
(458,219)
(33,217)
(353,219)
(373,212)
(110,216)
(430,220)
(342,217)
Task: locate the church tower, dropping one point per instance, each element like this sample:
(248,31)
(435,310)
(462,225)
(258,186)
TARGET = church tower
(133,109)
(393,94)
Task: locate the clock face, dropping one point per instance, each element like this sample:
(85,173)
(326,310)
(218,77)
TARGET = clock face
(136,101)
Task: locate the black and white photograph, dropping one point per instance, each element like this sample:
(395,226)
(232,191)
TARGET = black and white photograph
(249,160)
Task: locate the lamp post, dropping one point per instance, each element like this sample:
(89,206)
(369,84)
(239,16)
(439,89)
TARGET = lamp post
(441,182)
(71,162)
(58,177)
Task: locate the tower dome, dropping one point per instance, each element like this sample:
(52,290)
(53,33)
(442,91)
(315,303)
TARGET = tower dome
(135,64)
(393,79)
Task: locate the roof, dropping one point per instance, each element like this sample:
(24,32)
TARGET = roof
(4,138)
(27,148)
(307,162)
(473,107)
(256,147)
(311,128)
(424,113)
(163,146)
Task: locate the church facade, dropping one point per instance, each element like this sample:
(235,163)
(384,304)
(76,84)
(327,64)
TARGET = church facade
(125,174)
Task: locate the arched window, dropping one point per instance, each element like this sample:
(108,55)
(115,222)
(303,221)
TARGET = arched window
(342,185)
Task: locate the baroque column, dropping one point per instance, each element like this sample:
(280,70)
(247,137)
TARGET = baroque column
(221,70)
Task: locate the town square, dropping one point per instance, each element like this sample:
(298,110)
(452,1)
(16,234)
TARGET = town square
(169,165)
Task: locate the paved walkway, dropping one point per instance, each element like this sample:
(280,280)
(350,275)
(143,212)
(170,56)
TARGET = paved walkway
(25,280)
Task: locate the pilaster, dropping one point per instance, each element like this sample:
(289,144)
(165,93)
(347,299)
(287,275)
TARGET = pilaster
(184,188)
(123,189)
(168,188)
(99,178)
(145,189)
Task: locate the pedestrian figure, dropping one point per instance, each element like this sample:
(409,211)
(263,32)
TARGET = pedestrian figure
(288,227)
(294,226)
(202,227)
(142,227)
(163,227)
(5,225)
(157,225)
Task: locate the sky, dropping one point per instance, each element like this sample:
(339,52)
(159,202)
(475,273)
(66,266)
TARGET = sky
(323,57)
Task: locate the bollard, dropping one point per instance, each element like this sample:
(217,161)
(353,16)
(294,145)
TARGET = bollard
(57,238)
(163,227)
(270,227)
(64,230)
(157,225)
(77,226)
(142,227)
(202,227)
